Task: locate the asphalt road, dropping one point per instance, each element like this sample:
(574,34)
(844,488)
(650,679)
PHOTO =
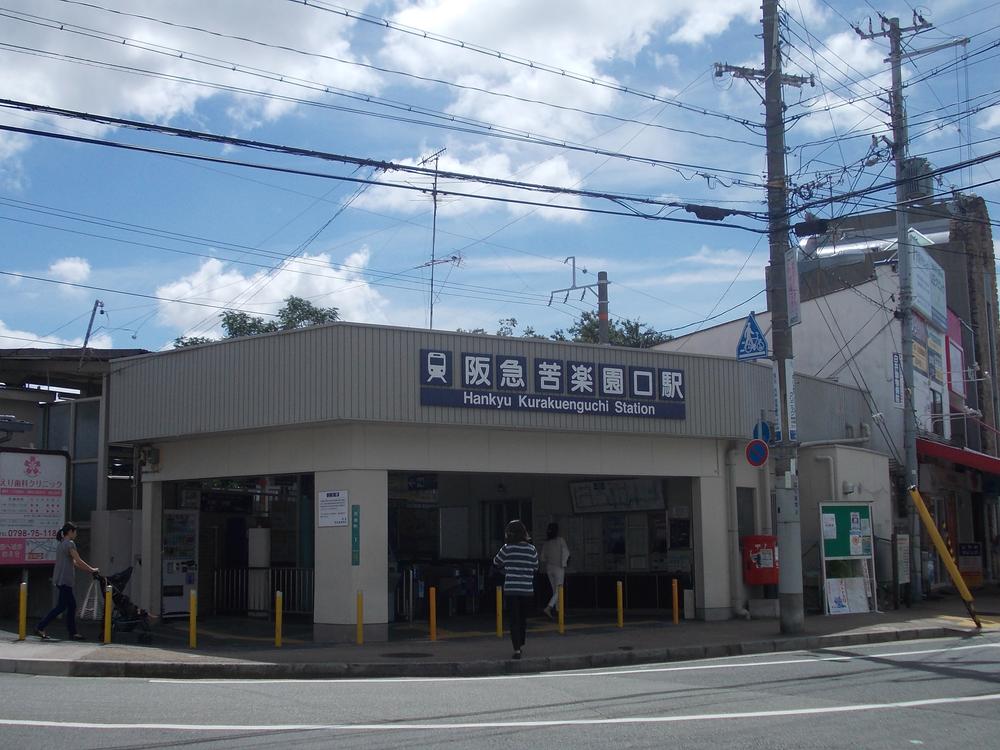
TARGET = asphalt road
(933,693)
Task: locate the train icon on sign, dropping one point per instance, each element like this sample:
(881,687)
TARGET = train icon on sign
(435,367)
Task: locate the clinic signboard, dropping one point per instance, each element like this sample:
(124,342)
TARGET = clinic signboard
(513,382)
(32,505)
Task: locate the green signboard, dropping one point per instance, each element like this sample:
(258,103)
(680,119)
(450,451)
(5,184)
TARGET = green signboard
(847,530)
(355,535)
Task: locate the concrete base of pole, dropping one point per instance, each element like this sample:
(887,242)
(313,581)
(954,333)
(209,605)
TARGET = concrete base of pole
(792,613)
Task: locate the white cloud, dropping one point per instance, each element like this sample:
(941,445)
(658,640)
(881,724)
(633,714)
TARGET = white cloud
(74,270)
(315,278)
(13,338)
(61,83)
(555,171)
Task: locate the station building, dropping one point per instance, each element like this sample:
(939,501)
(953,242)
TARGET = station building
(343,458)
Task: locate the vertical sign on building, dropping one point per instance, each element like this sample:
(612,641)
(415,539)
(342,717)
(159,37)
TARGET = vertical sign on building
(793,422)
(355,535)
(792,287)
(776,385)
(897,380)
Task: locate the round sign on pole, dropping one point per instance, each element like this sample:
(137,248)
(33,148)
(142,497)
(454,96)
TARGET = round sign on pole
(757,452)
(762,430)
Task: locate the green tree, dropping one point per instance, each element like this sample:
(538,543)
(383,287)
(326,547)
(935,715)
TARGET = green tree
(295,313)
(627,332)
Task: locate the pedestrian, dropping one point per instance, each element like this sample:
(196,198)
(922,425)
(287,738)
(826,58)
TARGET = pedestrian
(67,558)
(519,560)
(555,558)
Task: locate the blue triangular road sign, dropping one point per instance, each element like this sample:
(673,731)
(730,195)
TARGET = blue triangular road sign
(752,343)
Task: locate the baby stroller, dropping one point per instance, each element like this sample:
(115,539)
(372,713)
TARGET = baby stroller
(125,616)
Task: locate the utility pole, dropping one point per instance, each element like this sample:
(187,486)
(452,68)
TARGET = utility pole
(900,144)
(434,196)
(603,325)
(786,486)
(98,305)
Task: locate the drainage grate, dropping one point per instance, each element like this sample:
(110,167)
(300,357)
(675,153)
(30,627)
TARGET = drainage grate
(406,655)
(626,648)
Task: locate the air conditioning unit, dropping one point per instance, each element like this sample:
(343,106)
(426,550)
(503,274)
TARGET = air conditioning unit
(919,184)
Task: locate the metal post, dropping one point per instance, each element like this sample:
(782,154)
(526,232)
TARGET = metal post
(499,612)
(432,603)
(621,604)
(786,451)
(107,614)
(279,605)
(22,612)
(673,597)
(603,333)
(562,610)
(193,619)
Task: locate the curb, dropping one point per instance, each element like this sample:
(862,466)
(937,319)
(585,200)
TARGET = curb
(477,668)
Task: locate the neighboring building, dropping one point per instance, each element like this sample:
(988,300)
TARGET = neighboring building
(342,458)
(60,393)
(850,333)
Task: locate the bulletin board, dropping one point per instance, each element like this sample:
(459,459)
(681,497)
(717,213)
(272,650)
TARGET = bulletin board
(848,564)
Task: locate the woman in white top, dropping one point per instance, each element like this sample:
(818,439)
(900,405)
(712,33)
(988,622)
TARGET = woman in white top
(555,558)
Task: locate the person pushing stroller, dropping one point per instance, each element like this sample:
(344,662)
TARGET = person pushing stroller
(67,558)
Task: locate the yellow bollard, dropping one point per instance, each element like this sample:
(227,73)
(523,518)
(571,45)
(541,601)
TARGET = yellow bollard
(278,607)
(432,602)
(673,595)
(621,604)
(499,612)
(562,610)
(193,619)
(22,612)
(359,635)
(107,614)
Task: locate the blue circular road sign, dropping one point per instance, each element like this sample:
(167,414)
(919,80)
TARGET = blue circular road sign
(757,452)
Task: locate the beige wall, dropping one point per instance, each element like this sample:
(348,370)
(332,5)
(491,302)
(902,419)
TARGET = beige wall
(337,579)
(868,472)
(388,447)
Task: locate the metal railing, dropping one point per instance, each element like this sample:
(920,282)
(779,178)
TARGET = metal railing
(251,590)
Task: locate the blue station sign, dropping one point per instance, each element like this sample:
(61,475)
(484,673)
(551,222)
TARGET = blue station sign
(512,382)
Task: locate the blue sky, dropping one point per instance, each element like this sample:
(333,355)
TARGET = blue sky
(220,235)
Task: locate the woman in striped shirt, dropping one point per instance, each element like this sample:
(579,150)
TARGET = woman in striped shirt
(519,561)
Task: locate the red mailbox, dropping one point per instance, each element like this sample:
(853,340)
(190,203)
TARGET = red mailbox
(760,559)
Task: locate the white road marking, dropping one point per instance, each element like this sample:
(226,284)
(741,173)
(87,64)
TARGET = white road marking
(445,726)
(614,672)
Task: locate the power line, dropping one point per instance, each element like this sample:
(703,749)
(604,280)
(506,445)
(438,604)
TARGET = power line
(479,127)
(385,23)
(403,73)
(377,164)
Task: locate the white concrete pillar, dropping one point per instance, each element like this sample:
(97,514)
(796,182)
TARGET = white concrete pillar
(149,572)
(711,549)
(338,579)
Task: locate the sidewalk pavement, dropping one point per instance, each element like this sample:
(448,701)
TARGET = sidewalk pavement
(585,645)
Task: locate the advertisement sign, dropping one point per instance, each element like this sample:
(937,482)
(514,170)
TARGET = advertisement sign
(929,296)
(332,508)
(32,506)
(503,382)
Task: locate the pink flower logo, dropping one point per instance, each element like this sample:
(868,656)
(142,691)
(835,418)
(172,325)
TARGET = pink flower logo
(32,466)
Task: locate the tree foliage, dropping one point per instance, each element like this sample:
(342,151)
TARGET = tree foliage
(633,333)
(295,313)
(585,330)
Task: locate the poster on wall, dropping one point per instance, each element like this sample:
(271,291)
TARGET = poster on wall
(332,508)
(32,506)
